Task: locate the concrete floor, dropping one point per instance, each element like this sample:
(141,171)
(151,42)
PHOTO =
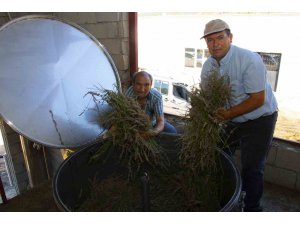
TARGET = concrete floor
(280,199)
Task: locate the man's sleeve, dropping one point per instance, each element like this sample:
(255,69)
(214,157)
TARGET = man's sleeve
(158,107)
(129,92)
(255,76)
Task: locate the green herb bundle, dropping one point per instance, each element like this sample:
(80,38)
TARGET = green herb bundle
(127,121)
(202,132)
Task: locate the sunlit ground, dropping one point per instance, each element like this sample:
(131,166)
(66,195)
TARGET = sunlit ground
(288,126)
(288,123)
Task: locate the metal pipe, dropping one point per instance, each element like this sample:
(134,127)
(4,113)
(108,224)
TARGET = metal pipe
(145,192)
(46,163)
(133,41)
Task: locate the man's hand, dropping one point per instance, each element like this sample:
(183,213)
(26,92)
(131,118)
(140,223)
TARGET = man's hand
(254,101)
(222,114)
(148,134)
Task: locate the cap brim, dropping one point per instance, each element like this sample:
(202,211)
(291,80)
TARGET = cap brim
(217,31)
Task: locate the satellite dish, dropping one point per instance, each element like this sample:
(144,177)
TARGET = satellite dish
(47,66)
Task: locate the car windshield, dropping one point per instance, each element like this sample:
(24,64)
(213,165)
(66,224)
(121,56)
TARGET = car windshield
(181,92)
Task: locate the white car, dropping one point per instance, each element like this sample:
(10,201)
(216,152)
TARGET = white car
(175,95)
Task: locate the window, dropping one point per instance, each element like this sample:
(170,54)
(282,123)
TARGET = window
(181,92)
(272,63)
(157,84)
(195,57)
(189,57)
(162,86)
(199,58)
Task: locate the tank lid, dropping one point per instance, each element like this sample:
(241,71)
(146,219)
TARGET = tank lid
(48,65)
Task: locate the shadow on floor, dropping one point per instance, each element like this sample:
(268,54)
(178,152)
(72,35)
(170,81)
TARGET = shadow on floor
(280,199)
(40,199)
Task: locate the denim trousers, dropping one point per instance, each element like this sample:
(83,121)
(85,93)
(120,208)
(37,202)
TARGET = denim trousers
(254,139)
(169,128)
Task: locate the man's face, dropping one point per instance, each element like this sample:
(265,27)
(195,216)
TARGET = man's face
(218,44)
(142,85)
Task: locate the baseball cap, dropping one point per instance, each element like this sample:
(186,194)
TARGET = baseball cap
(215,26)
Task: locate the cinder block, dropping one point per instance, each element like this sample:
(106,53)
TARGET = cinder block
(107,16)
(125,47)
(87,17)
(288,158)
(112,45)
(272,155)
(279,176)
(102,30)
(124,15)
(124,75)
(125,79)
(121,61)
(123,29)
(14,15)
(3,20)
(71,16)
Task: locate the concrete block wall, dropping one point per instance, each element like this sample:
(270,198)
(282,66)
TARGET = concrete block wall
(4,18)
(283,164)
(283,167)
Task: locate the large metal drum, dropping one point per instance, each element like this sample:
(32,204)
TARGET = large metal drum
(75,173)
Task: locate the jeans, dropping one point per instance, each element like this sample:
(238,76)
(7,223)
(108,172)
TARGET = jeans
(169,128)
(254,138)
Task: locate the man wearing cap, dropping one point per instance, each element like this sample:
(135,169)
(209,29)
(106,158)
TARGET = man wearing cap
(252,111)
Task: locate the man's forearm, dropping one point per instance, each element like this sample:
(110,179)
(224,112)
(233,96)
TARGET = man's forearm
(158,128)
(253,102)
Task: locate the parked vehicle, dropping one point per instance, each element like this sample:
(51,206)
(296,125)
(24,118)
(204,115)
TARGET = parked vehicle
(175,95)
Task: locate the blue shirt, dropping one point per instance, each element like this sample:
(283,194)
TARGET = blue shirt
(247,74)
(154,103)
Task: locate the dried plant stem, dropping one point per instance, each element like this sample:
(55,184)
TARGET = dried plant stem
(128,121)
(202,132)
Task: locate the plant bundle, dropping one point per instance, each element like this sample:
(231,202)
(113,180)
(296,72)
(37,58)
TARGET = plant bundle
(127,121)
(202,132)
